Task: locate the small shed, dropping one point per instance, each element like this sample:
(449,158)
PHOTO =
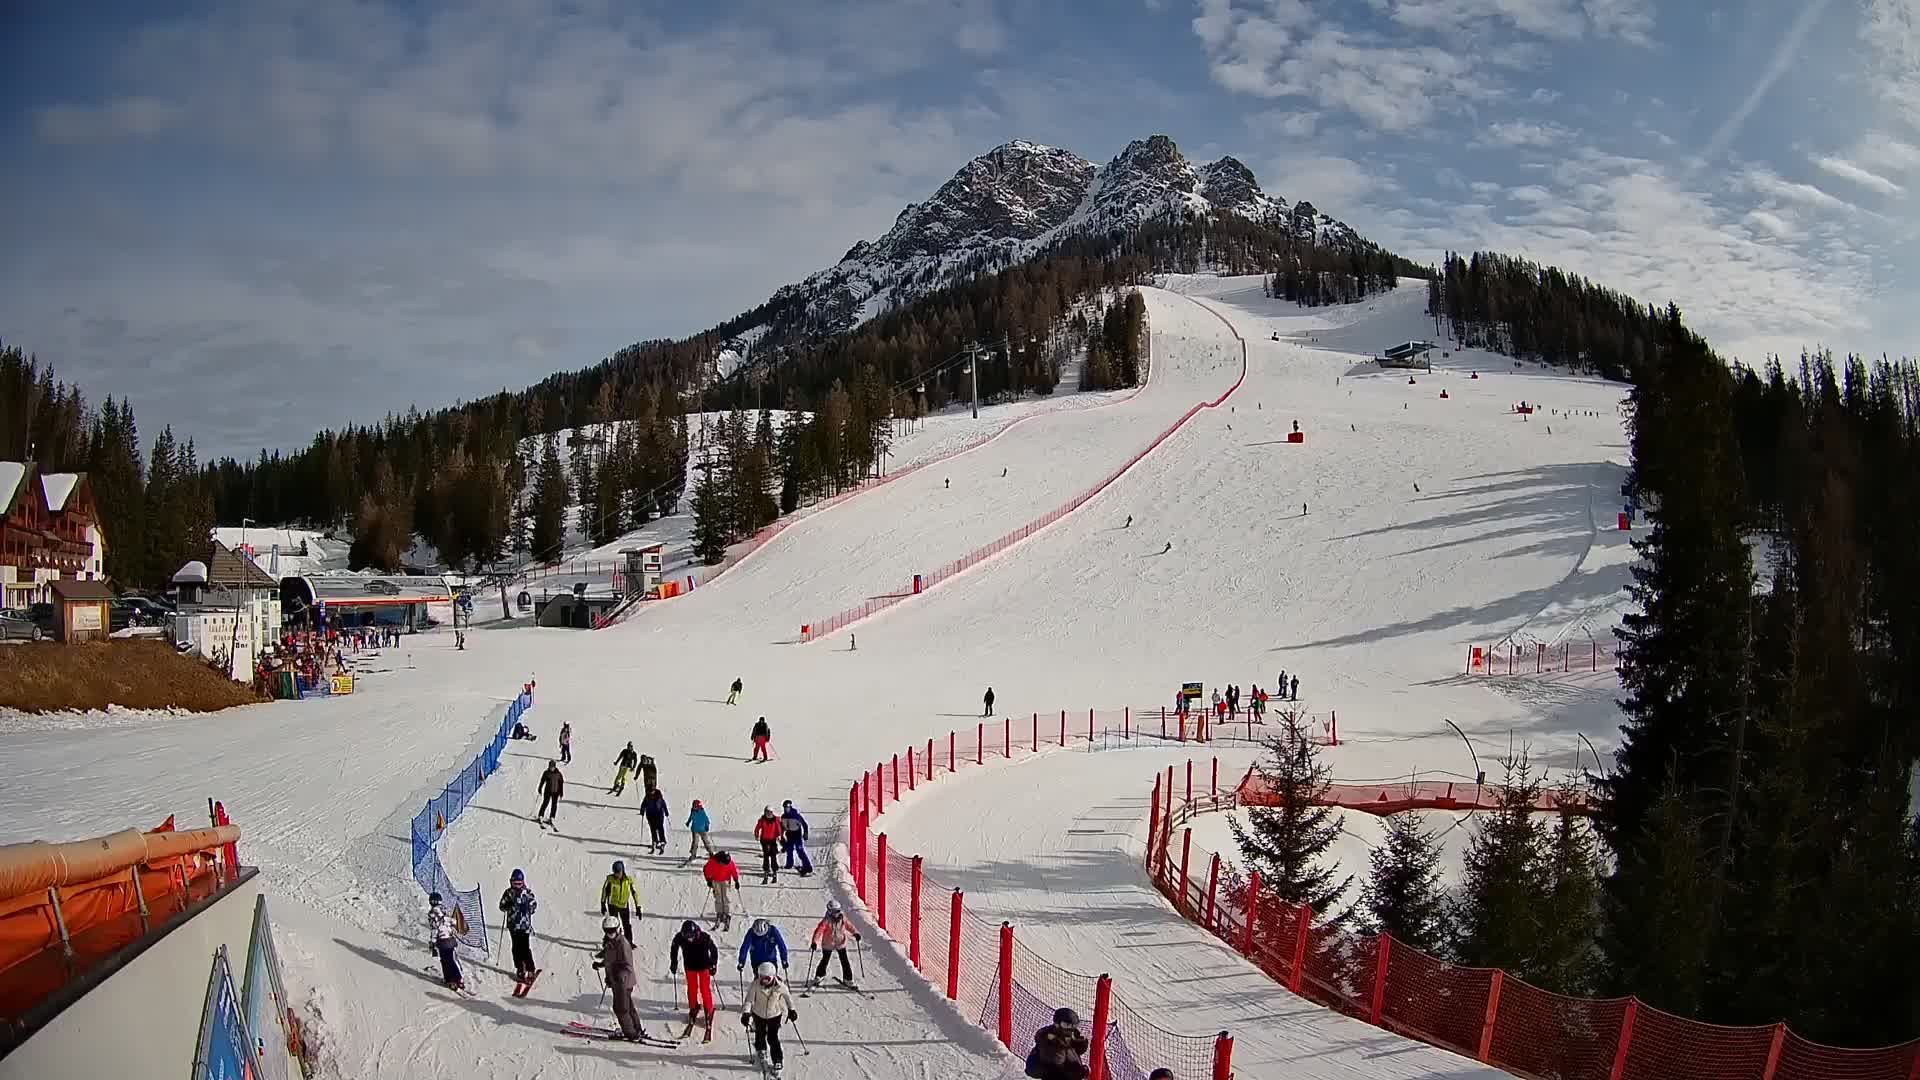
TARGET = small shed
(83,609)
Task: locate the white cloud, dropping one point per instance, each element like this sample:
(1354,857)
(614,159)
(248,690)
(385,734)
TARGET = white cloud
(1523,133)
(1772,223)
(124,118)
(1769,184)
(1531,193)
(1284,123)
(1847,170)
(1543,96)
(1564,20)
(1329,181)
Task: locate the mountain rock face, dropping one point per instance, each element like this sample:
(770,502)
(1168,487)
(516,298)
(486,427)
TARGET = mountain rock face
(1007,205)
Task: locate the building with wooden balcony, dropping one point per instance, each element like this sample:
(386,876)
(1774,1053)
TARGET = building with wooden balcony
(49,531)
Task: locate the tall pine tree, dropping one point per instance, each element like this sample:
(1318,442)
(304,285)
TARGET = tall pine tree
(1289,843)
(1402,895)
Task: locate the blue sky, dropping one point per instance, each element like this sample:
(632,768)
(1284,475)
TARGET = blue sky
(257,219)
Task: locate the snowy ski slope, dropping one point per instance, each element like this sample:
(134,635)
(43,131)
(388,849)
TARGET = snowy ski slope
(1373,597)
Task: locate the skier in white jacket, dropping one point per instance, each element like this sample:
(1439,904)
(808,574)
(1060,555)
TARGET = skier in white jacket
(445,935)
(768,1003)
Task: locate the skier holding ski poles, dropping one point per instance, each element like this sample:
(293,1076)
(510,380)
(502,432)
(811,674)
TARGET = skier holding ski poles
(830,937)
(620,898)
(768,1003)
(616,958)
(628,760)
(793,837)
(519,905)
(654,807)
(552,786)
(702,956)
(768,831)
(762,737)
(719,873)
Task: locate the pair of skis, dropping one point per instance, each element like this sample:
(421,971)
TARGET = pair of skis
(581,1030)
(837,984)
(521,986)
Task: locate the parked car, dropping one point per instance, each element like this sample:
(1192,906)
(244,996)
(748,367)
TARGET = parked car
(150,612)
(17,629)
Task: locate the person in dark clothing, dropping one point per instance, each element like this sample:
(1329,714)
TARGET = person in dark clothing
(649,773)
(1294,695)
(793,837)
(733,694)
(566,744)
(762,736)
(519,905)
(654,807)
(552,786)
(702,956)
(988,699)
(1059,1049)
(625,764)
(616,959)
(768,831)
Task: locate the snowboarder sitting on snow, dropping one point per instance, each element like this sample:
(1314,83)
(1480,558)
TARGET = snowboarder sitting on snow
(649,773)
(519,905)
(440,928)
(552,786)
(830,937)
(654,806)
(702,956)
(733,695)
(616,958)
(761,735)
(698,825)
(626,762)
(794,837)
(768,831)
(719,873)
(762,945)
(1059,1049)
(768,1003)
(619,897)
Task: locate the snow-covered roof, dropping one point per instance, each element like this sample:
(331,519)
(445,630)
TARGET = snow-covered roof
(11,473)
(193,573)
(58,487)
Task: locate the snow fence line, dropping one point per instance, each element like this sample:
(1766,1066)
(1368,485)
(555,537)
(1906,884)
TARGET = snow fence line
(993,980)
(1481,1013)
(758,540)
(814,631)
(444,809)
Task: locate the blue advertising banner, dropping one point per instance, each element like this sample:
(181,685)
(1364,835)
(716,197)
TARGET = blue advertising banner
(226,1051)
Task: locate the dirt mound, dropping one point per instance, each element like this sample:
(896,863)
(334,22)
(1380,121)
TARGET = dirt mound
(50,677)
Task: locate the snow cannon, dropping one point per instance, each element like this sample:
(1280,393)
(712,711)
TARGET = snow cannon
(1296,435)
(1443,395)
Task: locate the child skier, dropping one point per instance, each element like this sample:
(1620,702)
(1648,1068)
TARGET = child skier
(552,786)
(733,695)
(830,937)
(1059,1049)
(794,837)
(616,958)
(696,947)
(719,873)
(761,735)
(768,831)
(626,763)
(441,929)
(519,905)
(768,1003)
(566,744)
(619,897)
(698,825)
(654,807)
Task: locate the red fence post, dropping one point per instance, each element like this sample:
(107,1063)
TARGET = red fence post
(1213,887)
(1036,733)
(1102,1012)
(1063,727)
(1089,723)
(953,948)
(1153,822)
(1163,723)
(1186,855)
(1216,778)
(952,738)
(856,829)
(896,778)
(1301,936)
(880,787)
(910,769)
(1223,1057)
(1333,727)
(881,866)
(1006,985)
(1126,722)
(980,743)
(913,916)
(1383,954)
(1007,735)
(1626,1039)
(1253,912)
(1773,1051)
(929,759)
(1493,1011)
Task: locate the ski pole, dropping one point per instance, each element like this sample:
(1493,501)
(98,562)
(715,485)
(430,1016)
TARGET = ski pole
(862,950)
(804,1048)
(810,950)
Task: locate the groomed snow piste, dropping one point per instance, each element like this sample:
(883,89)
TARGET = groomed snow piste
(1373,595)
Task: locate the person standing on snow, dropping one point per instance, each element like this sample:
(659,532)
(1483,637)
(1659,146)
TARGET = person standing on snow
(552,786)
(719,873)
(619,897)
(519,905)
(762,736)
(1295,695)
(649,773)
(1059,1049)
(626,763)
(566,744)
(733,694)
(830,937)
(768,1003)
(616,958)
(702,956)
(654,807)
(768,831)
(793,829)
(698,825)
(762,945)
(988,699)
(441,929)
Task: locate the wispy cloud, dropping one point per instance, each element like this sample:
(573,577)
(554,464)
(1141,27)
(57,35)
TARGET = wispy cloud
(1769,184)
(1523,133)
(1847,170)
(1777,65)
(124,118)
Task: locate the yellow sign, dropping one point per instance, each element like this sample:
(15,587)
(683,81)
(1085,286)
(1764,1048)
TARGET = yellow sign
(343,684)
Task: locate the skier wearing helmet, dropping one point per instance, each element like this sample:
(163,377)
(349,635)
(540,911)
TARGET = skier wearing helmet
(441,928)
(762,945)
(830,937)
(616,958)
(768,831)
(1059,1049)
(519,905)
(696,947)
(720,872)
(768,1003)
(620,898)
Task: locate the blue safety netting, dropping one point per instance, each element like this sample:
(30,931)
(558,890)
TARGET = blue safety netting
(443,810)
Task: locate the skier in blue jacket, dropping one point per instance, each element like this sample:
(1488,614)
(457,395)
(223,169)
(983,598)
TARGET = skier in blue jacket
(698,825)
(793,835)
(762,945)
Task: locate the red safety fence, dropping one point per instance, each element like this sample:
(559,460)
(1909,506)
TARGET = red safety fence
(1482,1013)
(1514,658)
(817,629)
(991,977)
